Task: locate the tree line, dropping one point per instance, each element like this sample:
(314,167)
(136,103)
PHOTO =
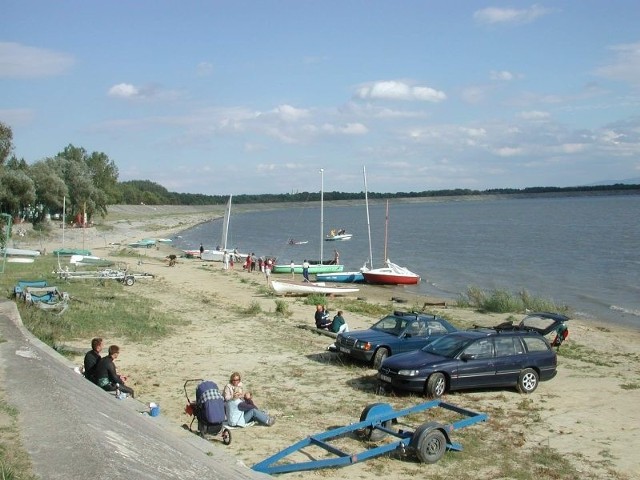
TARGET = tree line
(89,184)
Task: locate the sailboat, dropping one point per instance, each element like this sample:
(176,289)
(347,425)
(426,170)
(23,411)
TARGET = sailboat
(315,266)
(390,274)
(216,255)
(358,275)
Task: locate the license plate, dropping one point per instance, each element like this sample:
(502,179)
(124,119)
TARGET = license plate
(345,350)
(385,378)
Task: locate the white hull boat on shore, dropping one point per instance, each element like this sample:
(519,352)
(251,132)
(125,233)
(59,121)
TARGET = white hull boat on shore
(308,288)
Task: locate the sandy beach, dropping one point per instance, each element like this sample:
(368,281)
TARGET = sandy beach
(588,412)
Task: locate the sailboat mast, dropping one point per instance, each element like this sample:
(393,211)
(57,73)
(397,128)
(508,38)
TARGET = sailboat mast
(321,214)
(225,225)
(366,202)
(386,231)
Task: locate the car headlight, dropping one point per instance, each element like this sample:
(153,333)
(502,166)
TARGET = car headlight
(408,373)
(363,345)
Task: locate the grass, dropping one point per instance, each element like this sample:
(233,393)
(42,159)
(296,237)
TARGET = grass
(502,301)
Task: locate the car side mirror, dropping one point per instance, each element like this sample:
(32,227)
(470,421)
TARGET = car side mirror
(467,356)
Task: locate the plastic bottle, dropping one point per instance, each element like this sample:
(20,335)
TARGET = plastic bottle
(117,390)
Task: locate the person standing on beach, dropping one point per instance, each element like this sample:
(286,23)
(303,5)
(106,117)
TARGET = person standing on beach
(225,260)
(336,257)
(293,270)
(305,270)
(267,270)
(201,250)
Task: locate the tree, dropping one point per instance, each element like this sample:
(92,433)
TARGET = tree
(17,192)
(50,189)
(6,142)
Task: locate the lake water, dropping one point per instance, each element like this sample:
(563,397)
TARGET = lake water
(580,251)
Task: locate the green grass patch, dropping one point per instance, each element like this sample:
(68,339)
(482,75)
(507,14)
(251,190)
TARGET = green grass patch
(503,301)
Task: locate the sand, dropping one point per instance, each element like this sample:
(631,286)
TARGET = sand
(589,412)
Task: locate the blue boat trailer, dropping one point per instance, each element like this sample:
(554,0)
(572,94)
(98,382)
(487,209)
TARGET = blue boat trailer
(429,441)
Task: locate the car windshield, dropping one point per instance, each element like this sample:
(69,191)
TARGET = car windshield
(448,345)
(392,325)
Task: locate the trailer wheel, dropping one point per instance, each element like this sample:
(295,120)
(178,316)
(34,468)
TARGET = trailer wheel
(436,385)
(226,436)
(374,434)
(379,357)
(429,442)
(128,281)
(527,381)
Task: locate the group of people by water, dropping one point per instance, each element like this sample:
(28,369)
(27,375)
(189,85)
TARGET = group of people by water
(324,322)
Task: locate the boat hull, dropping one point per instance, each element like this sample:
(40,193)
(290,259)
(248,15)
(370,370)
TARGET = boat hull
(339,238)
(309,288)
(341,277)
(313,269)
(380,278)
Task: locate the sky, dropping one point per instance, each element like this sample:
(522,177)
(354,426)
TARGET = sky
(250,97)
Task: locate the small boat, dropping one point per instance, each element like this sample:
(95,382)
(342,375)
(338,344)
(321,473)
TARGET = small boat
(308,288)
(144,243)
(19,255)
(338,235)
(391,274)
(91,260)
(164,240)
(314,268)
(297,242)
(341,277)
(67,252)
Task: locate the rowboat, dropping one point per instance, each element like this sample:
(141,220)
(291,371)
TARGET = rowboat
(308,288)
(90,260)
(341,277)
(144,243)
(314,268)
(19,255)
(336,237)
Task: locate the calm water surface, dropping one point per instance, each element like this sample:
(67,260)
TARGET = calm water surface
(580,251)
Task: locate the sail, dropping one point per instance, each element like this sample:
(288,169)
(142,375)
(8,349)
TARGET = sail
(225,225)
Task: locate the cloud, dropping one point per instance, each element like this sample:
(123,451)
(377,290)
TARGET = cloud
(128,91)
(625,66)
(534,115)
(21,61)
(395,90)
(204,69)
(287,113)
(17,116)
(510,16)
(502,75)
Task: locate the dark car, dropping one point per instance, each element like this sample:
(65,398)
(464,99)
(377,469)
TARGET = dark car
(503,356)
(396,333)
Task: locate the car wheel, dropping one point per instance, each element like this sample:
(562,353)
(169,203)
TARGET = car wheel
(374,434)
(429,442)
(436,385)
(379,357)
(528,380)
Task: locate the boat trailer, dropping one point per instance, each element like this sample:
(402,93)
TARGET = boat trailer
(123,276)
(429,441)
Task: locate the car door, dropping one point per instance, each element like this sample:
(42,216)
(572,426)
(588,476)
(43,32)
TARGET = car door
(477,366)
(509,358)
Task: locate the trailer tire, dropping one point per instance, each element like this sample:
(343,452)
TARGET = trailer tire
(528,380)
(128,281)
(374,434)
(379,357)
(429,442)
(436,385)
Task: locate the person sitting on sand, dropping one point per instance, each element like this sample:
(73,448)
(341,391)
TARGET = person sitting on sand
(91,359)
(338,325)
(239,405)
(322,318)
(106,375)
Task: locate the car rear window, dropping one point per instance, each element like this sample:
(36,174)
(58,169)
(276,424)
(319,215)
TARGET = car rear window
(536,344)
(436,328)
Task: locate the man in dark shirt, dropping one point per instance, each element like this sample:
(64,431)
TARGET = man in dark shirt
(92,358)
(106,375)
(322,318)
